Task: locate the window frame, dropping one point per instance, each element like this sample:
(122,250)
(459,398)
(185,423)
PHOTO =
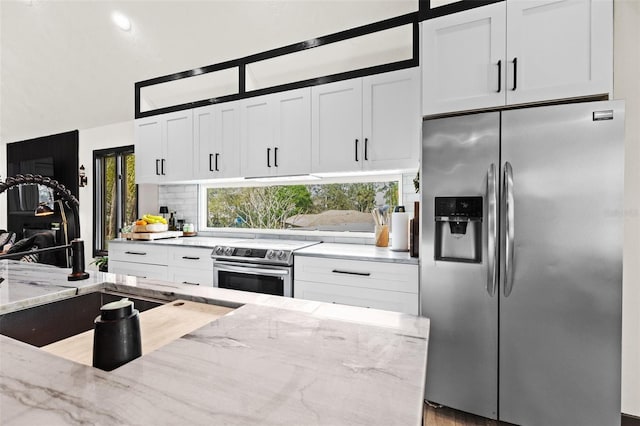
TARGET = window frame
(120,152)
(357,177)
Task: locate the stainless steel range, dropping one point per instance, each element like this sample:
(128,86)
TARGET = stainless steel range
(259,266)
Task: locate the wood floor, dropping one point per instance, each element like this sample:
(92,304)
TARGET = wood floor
(449,417)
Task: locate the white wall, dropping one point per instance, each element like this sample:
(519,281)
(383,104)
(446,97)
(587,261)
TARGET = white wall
(627,87)
(113,135)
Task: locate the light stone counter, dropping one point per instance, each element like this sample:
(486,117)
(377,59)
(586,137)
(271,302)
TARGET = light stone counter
(357,252)
(331,250)
(272,361)
(201,242)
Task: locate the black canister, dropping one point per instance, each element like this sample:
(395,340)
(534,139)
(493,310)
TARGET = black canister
(116,337)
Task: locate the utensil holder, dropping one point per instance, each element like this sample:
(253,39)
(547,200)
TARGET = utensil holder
(382,235)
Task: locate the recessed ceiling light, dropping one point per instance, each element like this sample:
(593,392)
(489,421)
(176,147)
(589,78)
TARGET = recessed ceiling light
(121,21)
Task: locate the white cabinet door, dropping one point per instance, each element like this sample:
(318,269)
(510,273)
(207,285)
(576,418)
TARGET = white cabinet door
(216,134)
(391,120)
(191,276)
(149,149)
(177,164)
(164,147)
(336,138)
(463,64)
(292,132)
(141,270)
(390,286)
(562,49)
(354,296)
(256,137)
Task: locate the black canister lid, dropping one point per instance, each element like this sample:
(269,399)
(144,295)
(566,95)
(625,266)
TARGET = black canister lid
(116,310)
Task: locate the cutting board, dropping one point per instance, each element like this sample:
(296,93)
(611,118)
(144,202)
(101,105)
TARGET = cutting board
(152,235)
(158,326)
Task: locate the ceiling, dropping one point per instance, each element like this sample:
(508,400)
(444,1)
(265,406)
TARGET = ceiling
(64,65)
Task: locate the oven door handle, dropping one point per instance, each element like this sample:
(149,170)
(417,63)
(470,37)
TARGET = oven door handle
(250,270)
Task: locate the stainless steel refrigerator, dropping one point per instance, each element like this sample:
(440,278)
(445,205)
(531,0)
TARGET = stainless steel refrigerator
(521,262)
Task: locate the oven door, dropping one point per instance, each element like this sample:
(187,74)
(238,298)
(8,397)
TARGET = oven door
(267,279)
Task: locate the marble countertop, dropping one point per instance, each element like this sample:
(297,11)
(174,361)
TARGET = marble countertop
(357,252)
(272,361)
(332,250)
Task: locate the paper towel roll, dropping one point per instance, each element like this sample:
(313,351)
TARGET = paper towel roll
(400,231)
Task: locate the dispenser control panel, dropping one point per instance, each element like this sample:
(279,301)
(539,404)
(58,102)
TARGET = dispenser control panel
(469,208)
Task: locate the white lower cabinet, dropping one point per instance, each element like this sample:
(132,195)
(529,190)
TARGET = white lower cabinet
(141,270)
(140,260)
(191,266)
(187,265)
(379,285)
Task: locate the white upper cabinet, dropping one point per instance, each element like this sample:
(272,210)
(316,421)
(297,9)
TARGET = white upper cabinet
(276,134)
(391,120)
(148,148)
(370,123)
(292,138)
(164,147)
(336,117)
(463,60)
(562,48)
(216,132)
(517,51)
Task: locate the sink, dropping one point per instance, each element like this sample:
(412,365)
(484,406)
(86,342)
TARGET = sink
(45,324)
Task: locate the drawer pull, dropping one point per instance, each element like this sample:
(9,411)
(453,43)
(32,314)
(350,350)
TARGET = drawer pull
(137,253)
(363,274)
(190,258)
(187,282)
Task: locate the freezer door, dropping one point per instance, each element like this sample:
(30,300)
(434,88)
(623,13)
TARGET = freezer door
(560,315)
(458,295)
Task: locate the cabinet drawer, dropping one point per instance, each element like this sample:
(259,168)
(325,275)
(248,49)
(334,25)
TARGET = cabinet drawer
(196,258)
(357,296)
(396,277)
(141,270)
(138,253)
(191,276)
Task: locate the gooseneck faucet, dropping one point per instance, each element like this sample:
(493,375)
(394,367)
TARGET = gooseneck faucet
(59,191)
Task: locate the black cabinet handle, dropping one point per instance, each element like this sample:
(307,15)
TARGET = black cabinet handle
(187,282)
(275,156)
(499,76)
(515,73)
(162,167)
(137,253)
(366,149)
(356,149)
(157,161)
(363,274)
(190,258)
(217,155)
(268,157)
(210,166)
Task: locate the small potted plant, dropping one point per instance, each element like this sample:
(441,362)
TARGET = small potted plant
(102,263)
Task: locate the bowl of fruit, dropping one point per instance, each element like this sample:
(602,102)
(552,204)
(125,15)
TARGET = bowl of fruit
(151,223)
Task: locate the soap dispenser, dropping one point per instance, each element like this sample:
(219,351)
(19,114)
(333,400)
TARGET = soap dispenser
(116,337)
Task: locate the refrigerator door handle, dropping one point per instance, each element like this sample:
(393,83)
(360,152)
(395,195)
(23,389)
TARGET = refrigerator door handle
(492,213)
(510,225)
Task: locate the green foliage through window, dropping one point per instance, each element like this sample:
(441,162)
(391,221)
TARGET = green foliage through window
(329,207)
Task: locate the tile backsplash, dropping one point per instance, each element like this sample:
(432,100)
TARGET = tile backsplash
(184,200)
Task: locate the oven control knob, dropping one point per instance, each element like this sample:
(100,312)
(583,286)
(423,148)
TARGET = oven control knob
(271,254)
(282,254)
(219,250)
(228,251)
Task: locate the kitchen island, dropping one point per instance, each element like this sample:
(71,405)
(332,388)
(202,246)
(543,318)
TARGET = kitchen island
(272,360)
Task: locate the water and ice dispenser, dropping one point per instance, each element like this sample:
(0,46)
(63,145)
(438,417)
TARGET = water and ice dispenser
(458,229)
